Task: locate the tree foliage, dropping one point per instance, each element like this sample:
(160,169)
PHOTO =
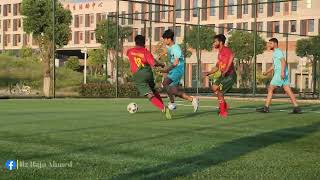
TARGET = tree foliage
(25,52)
(108,38)
(38,21)
(206,38)
(242,44)
(73,63)
(95,61)
(310,48)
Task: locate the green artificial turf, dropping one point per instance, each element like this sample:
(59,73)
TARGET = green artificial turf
(103,141)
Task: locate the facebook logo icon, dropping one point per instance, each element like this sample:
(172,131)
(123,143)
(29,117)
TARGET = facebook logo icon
(11,165)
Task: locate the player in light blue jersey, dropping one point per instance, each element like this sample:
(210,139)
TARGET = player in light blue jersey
(175,71)
(280,77)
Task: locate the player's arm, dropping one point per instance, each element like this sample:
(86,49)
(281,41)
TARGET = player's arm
(268,71)
(168,69)
(212,71)
(283,66)
(152,61)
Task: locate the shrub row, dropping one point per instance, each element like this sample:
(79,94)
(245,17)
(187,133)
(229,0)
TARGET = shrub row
(128,90)
(107,90)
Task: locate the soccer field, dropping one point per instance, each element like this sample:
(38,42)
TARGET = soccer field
(99,139)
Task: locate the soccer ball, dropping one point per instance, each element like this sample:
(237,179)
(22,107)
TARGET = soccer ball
(132,108)
(172,106)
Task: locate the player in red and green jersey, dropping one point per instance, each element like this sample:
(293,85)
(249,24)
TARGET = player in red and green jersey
(224,82)
(141,64)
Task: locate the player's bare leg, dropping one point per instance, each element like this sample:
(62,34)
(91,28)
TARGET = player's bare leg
(223,107)
(293,99)
(270,94)
(266,109)
(174,91)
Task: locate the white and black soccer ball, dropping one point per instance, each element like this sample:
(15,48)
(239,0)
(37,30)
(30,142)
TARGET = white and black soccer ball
(172,106)
(132,108)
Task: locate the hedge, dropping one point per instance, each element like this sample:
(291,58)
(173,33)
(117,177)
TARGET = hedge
(128,90)
(107,90)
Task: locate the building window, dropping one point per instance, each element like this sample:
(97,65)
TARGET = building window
(294,5)
(311,25)
(136,15)
(293,26)
(164,9)
(80,20)
(178,6)
(276,26)
(260,26)
(157,34)
(230,7)
(204,11)
(91,19)
(187,11)
(123,19)
(260,6)
(239,26)
(157,13)
(245,7)
(277,6)
(130,11)
(178,31)
(212,10)
(245,26)
(229,26)
(92,36)
(309,4)
(195,11)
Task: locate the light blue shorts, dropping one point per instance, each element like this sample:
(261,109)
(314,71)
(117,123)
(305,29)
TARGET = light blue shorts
(175,76)
(278,81)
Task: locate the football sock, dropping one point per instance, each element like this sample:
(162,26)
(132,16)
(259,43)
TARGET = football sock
(157,102)
(222,106)
(157,95)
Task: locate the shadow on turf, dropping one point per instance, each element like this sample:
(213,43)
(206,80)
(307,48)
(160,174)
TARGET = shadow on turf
(226,152)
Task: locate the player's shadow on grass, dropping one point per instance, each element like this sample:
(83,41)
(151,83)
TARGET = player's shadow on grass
(226,152)
(193,114)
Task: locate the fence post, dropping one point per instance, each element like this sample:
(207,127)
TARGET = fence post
(198,52)
(254,85)
(117,47)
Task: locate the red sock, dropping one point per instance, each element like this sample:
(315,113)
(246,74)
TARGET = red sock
(222,106)
(157,95)
(157,102)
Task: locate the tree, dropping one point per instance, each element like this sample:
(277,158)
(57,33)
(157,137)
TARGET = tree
(186,49)
(206,38)
(241,43)
(38,21)
(310,48)
(73,63)
(95,61)
(108,38)
(25,52)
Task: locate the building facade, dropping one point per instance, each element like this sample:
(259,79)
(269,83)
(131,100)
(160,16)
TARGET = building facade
(296,17)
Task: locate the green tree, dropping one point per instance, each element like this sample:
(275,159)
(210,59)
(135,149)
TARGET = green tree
(95,61)
(206,38)
(25,52)
(38,21)
(73,63)
(241,43)
(310,48)
(186,49)
(108,38)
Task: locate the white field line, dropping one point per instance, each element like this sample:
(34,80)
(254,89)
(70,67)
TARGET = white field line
(281,110)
